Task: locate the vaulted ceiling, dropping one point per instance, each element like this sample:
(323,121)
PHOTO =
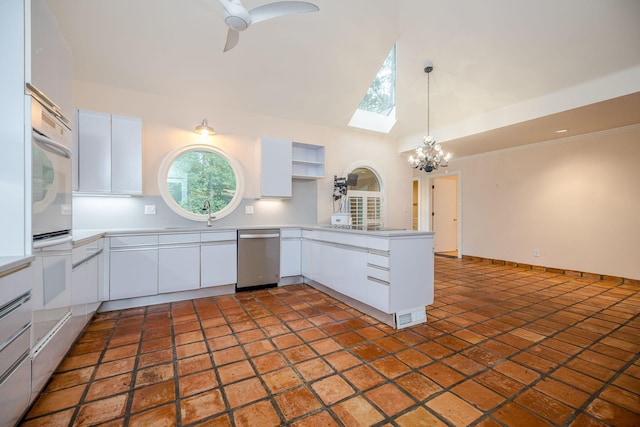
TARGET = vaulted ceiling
(505,72)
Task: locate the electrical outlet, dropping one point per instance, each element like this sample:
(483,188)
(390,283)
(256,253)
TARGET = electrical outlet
(248,210)
(149,209)
(536,253)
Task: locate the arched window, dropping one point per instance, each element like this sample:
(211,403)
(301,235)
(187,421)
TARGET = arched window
(193,174)
(365,199)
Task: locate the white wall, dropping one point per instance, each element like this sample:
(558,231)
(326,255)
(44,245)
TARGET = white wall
(168,123)
(577,200)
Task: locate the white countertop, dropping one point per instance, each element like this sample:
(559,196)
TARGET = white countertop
(84,236)
(8,263)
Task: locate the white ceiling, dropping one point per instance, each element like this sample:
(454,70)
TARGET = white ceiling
(496,62)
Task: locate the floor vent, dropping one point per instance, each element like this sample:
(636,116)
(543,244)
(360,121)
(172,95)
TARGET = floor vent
(410,318)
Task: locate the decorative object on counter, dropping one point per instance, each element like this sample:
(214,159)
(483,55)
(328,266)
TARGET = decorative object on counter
(340,215)
(429,156)
(204,128)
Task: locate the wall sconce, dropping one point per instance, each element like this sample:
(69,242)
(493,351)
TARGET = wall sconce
(204,128)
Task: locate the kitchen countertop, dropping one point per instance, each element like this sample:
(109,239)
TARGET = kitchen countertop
(8,263)
(85,236)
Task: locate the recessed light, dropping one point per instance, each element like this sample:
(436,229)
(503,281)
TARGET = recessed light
(562,130)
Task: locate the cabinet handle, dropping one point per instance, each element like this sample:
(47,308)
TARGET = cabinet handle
(375,279)
(12,306)
(87,259)
(258,236)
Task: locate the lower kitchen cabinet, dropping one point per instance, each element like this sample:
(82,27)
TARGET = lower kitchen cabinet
(86,279)
(178,268)
(290,252)
(133,273)
(133,266)
(218,259)
(15,330)
(178,262)
(393,274)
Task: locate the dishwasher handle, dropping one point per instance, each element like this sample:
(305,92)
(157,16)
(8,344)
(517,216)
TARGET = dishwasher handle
(258,236)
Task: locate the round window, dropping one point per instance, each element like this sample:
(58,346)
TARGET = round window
(191,175)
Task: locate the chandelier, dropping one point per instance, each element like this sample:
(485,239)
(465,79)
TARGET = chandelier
(429,156)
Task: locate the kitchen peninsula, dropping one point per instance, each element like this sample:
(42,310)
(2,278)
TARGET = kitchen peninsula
(385,273)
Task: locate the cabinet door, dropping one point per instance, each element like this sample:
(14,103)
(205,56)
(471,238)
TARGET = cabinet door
(290,257)
(133,273)
(218,264)
(94,151)
(126,155)
(275,167)
(179,269)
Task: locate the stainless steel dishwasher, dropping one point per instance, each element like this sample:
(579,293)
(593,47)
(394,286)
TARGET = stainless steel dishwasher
(258,258)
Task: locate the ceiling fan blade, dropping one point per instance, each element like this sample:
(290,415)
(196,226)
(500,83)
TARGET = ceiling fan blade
(280,8)
(232,39)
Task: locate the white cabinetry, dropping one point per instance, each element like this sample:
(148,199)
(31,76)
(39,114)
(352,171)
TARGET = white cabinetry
(109,153)
(51,59)
(290,252)
(133,266)
(393,274)
(307,161)
(218,259)
(275,165)
(15,327)
(178,262)
(156,264)
(86,280)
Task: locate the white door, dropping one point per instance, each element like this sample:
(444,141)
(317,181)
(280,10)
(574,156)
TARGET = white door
(445,213)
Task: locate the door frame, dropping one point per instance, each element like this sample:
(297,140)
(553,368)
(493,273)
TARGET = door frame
(429,197)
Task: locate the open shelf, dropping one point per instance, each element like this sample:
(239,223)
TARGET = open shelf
(308,161)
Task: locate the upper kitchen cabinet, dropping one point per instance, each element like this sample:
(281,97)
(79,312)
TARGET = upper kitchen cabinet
(280,160)
(307,161)
(50,68)
(109,152)
(274,160)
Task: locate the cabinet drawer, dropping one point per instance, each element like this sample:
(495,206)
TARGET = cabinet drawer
(378,295)
(179,238)
(378,243)
(378,273)
(14,284)
(219,236)
(14,348)
(15,387)
(378,260)
(14,316)
(290,233)
(124,241)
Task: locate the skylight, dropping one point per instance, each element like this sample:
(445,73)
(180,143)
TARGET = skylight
(377,111)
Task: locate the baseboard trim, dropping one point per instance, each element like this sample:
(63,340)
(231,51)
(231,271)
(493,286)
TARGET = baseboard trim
(579,274)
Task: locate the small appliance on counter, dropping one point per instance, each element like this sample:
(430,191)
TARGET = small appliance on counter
(341,219)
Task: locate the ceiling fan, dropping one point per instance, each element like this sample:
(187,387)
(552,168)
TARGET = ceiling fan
(238,18)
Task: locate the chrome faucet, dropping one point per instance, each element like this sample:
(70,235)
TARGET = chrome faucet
(207,207)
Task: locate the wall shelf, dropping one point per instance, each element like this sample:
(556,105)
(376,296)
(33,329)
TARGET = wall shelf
(308,161)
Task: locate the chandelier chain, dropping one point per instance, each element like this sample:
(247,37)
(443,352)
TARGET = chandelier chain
(429,156)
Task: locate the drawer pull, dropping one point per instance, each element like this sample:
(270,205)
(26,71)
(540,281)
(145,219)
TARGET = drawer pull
(13,337)
(12,306)
(375,279)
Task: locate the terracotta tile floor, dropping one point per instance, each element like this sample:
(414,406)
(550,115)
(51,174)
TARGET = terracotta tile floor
(502,346)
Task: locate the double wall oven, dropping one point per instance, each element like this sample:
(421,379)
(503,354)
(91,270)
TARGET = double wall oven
(51,227)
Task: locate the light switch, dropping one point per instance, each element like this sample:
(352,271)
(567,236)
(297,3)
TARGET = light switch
(149,209)
(248,210)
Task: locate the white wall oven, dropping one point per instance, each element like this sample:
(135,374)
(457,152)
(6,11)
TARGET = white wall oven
(51,170)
